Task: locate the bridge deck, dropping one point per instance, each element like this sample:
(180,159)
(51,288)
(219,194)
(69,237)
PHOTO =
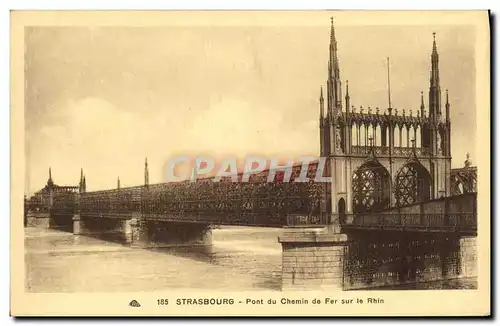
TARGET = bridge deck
(263,204)
(449,214)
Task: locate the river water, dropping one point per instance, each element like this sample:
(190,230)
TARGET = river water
(241,259)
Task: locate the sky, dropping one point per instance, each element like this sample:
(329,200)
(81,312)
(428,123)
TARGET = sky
(105,98)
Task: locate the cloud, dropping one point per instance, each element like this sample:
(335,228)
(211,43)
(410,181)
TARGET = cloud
(118,95)
(108,142)
(97,136)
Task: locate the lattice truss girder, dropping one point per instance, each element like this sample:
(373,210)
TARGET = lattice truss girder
(412,185)
(463,180)
(370,188)
(258,199)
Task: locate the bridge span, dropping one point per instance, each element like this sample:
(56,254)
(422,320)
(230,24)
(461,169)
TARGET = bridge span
(428,240)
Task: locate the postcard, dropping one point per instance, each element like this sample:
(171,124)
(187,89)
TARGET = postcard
(250,163)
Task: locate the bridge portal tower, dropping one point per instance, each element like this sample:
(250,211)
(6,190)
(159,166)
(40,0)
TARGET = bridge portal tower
(381,159)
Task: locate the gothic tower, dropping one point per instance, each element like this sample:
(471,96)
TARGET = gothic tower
(379,159)
(334,95)
(438,135)
(334,133)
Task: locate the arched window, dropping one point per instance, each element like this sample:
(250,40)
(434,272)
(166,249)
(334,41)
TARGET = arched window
(412,184)
(370,188)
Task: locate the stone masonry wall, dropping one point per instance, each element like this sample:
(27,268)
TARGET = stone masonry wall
(468,257)
(312,265)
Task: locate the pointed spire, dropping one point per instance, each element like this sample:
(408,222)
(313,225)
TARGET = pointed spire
(146,172)
(389,83)
(333,50)
(435,90)
(321,103)
(347,97)
(50,182)
(333,39)
(434,47)
(435,63)
(334,92)
(422,104)
(81,180)
(447,106)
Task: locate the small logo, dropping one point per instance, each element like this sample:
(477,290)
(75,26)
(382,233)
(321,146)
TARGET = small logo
(134,303)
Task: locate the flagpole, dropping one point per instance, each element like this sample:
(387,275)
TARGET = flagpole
(389,82)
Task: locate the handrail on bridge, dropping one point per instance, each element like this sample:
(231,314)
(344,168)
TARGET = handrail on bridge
(408,221)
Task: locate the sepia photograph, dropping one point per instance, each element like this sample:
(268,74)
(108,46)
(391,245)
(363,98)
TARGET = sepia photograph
(217,153)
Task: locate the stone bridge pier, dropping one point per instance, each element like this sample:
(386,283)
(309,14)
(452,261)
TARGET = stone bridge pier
(143,233)
(312,258)
(119,229)
(49,220)
(158,234)
(326,258)
(38,219)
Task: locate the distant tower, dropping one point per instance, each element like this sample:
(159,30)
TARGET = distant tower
(118,183)
(146,173)
(50,191)
(50,182)
(82,181)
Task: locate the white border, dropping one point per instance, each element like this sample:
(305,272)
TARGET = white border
(185,4)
